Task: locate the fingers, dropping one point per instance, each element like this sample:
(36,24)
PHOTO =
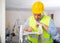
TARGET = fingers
(37,24)
(28,28)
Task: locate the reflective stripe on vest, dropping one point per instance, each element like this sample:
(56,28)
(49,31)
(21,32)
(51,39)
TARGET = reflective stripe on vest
(36,37)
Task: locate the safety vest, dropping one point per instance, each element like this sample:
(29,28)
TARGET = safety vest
(32,23)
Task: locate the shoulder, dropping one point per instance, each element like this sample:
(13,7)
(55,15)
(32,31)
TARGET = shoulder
(47,16)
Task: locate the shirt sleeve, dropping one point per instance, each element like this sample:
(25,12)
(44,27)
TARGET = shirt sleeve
(53,31)
(52,28)
(26,24)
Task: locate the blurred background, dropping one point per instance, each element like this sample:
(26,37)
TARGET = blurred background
(0,19)
(17,12)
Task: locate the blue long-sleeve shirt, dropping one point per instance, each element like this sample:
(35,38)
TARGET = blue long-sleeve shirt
(51,30)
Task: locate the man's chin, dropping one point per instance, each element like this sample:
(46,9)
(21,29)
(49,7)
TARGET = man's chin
(37,19)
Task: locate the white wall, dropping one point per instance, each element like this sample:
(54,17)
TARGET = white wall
(14,10)
(56,13)
(28,3)
(57,18)
(12,15)
(0,18)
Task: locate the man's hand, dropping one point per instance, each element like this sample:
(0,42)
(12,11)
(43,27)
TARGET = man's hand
(28,28)
(43,25)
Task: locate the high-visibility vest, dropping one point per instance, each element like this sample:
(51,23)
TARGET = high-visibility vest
(32,23)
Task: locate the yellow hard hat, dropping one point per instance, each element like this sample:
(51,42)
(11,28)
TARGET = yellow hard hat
(38,8)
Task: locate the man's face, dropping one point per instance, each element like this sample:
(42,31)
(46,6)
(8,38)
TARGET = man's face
(37,16)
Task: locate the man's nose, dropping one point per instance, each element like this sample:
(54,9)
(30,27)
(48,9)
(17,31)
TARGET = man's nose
(36,16)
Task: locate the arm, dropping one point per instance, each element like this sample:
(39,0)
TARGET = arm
(26,26)
(45,27)
(53,31)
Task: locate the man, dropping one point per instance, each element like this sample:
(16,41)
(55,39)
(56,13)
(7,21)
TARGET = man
(48,27)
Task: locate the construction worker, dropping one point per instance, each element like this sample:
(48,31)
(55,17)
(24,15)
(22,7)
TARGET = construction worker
(49,30)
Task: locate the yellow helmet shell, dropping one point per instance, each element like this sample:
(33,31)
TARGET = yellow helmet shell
(38,8)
